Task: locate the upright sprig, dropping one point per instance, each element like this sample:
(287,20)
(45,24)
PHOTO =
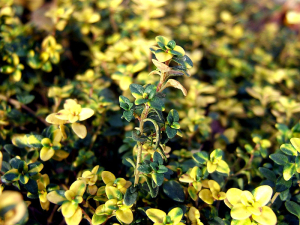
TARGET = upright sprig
(153,128)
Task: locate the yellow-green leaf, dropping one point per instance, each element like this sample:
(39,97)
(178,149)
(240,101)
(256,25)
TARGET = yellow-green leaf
(76,218)
(57,197)
(68,209)
(108,177)
(176,215)
(79,129)
(289,170)
(262,194)
(240,212)
(193,193)
(85,113)
(185,178)
(124,215)
(113,193)
(46,153)
(222,167)
(267,216)
(206,196)
(296,143)
(78,187)
(163,56)
(156,215)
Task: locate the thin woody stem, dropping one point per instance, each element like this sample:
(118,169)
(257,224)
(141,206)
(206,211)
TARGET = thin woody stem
(138,160)
(140,145)
(18,104)
(86,216)
(274,198)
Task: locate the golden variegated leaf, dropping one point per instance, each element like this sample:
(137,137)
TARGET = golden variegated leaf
(175,84)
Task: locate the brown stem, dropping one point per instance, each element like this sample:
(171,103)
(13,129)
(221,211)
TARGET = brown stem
(17,104)
(112,21)
(87,216)
(95,137)
(138,160)
(49,220)
(139,155)
(247,166)
(88,205)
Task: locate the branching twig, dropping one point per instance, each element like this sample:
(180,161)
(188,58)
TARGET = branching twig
(17,104)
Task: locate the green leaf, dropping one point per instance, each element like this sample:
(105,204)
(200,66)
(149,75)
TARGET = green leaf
(193,193)
(157,158)
(175,125)
(11,175)
(282,185)
(47,67)
(128,115)
(177,53)
(285,195)
(125,103)
(24,178)
(200,157)
(138,138)
(154,166)
(173,116)
(171,44)
(5,167)
(136,89)
(293,208)
(216,154)
(150,90)
(177,71)
(25,99)
(269,174)
(184,61)
(156,103)
(153,191)
(34,140)
(12,150)
(157,130)
(288,149)
(161,41)
(140,101)
(130,195)
(162,169)
(297,163)
(14,162)
(99,219)
(7,69)
(174,191)
(278,158)
(145,169)
(23,168)
(158,178)
(31,186)
(171,132)
(289,170)
(34,168)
